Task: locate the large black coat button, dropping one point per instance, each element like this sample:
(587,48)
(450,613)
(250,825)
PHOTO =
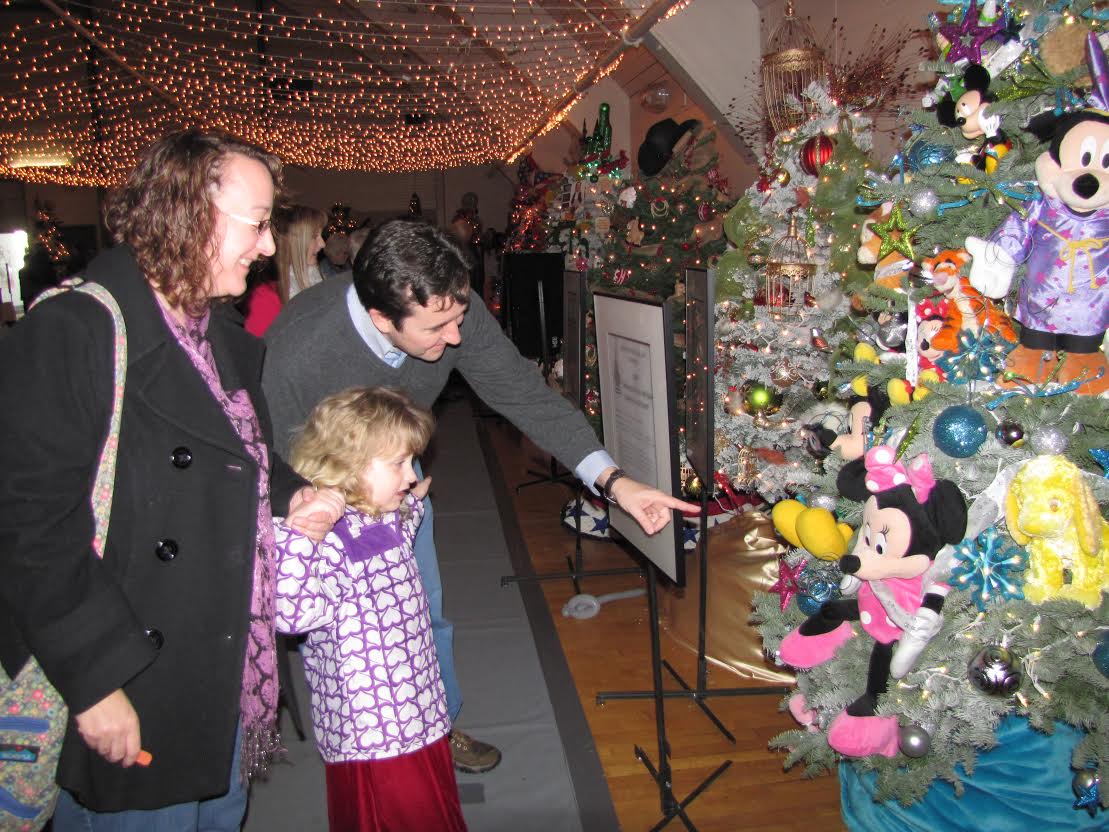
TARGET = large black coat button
(166,549)
(181,457)
(156,638)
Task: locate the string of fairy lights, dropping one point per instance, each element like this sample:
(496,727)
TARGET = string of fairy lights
(378,85)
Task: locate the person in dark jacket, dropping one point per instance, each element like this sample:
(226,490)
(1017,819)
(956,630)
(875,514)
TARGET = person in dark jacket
(166,644)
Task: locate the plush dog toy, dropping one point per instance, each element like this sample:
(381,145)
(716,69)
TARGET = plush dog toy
(1052,513)
(1063,299)
(908,517)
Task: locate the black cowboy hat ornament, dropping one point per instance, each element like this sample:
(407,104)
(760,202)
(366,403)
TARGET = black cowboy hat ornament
(658,144)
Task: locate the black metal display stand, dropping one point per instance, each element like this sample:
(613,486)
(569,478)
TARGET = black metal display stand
(573,306)
(669,803)
(528,313)
(699,443)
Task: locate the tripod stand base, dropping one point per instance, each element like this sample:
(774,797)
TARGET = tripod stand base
(573,573)
(698,695)
(671,806)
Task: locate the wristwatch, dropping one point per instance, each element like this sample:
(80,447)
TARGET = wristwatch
(606,486)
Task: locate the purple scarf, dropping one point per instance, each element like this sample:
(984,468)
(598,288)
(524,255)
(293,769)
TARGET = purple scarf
(258,701)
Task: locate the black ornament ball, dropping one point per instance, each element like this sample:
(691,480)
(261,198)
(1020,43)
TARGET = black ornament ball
(995,671)
(914,741)
(1084,780)
(1010,433)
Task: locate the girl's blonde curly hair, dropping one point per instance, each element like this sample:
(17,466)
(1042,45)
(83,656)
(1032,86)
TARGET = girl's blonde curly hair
(348,429)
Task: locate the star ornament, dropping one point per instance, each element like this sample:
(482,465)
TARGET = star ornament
(787,584)
(895,235)
(1089,798)
(967,37)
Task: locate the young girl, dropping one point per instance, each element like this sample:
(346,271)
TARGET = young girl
(378,705)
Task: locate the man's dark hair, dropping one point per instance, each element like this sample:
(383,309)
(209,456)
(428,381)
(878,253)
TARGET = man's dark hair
(404,262)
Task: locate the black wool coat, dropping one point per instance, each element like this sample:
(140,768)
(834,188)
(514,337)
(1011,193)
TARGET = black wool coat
(165,614)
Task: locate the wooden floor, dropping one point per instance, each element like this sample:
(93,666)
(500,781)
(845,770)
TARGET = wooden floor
(612,652)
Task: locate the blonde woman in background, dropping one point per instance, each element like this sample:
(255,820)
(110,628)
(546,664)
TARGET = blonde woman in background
(299,239)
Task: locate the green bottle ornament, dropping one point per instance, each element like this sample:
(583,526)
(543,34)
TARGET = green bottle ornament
(602,131)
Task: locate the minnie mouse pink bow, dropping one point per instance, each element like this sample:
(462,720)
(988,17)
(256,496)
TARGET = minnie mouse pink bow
(884,472)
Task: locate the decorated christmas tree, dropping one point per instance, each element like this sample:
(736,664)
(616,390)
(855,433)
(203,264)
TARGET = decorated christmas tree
(945,600)
(534,214)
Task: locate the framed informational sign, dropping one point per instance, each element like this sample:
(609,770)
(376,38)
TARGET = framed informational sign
(635,368)
(573,337)
(700,358)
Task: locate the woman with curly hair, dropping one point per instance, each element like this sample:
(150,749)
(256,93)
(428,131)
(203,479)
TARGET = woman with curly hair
(298,234)
(166,643)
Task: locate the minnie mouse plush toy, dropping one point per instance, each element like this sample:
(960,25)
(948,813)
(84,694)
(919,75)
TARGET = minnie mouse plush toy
(908,517)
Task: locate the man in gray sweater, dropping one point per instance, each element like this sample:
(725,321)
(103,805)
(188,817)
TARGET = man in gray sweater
(405,321)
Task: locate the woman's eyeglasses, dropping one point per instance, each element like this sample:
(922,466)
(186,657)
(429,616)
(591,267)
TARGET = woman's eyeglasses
(261,226)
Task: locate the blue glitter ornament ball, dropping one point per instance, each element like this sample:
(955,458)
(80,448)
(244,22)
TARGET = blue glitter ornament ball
(959,431)
(1101,655)
(926,157)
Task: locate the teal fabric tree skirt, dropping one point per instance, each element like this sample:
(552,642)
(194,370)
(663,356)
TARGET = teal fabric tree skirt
(1022,784)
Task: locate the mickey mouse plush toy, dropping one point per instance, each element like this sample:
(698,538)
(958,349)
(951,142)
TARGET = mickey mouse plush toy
(908,517)
(968,113)
(1064,237)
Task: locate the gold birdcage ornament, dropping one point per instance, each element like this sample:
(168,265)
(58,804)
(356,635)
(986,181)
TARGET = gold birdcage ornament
(792,62)
(789,273)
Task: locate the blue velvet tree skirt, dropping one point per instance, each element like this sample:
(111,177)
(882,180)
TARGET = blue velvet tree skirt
(1022,784)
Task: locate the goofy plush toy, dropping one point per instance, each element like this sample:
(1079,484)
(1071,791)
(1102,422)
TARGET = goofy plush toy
(908,517)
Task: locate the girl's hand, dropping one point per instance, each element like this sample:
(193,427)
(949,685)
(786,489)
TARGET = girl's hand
(419,490)
(111,729)
(313,513)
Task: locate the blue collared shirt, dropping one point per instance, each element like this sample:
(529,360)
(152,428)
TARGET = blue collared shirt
(379,345)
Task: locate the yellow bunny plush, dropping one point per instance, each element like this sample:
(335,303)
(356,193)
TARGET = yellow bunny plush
(1051,512)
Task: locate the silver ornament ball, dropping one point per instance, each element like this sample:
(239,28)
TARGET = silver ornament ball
(826,501)
(914,741)
(924,204)
(1048,440)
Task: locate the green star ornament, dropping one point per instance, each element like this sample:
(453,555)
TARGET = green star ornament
(903,244)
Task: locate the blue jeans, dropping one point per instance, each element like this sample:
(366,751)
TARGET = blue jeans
(442,631)
(218,814)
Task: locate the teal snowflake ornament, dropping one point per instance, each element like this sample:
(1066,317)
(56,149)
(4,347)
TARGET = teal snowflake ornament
(984,567)
(979,357)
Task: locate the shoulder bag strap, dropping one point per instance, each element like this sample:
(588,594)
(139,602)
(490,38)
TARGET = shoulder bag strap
(104,485)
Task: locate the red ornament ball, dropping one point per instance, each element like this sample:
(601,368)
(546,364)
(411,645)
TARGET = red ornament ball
(704,212)
(816,153)
(763,185)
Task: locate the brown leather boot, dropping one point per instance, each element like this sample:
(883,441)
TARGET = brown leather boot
(1029,366)
(1085,365)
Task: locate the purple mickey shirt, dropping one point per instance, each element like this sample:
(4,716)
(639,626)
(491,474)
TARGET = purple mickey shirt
(1064,290)
(369,657)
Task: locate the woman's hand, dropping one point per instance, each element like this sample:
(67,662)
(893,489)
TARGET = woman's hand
(419,490)
(313,513)
(111,729)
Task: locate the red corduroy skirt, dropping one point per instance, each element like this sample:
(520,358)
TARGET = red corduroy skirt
(416,792)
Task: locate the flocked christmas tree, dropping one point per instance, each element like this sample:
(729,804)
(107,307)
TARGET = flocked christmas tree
(781,293)
(983,238)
